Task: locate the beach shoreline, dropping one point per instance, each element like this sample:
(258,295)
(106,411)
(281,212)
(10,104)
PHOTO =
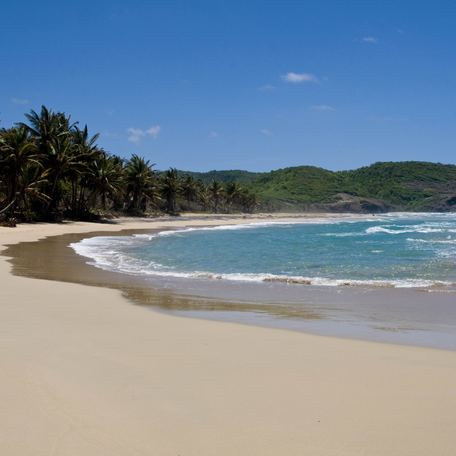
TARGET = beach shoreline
(391,315)
(86,373)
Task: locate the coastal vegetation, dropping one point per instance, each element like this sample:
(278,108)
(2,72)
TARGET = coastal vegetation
(51,168)
(394,186)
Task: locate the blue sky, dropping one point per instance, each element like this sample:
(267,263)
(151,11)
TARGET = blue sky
(251,84)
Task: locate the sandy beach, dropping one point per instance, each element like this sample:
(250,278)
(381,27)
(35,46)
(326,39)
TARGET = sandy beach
(85,372)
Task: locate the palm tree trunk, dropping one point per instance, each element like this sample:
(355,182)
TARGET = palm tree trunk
(73,195)
(2,211)
(53,203)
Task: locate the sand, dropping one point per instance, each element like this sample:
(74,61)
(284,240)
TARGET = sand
(84,372)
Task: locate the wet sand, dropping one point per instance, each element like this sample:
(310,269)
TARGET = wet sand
(407,316)
(85,372)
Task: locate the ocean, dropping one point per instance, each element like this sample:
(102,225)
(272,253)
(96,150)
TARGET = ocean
(400,250)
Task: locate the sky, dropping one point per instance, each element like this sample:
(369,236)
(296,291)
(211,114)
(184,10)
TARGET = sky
(257,85)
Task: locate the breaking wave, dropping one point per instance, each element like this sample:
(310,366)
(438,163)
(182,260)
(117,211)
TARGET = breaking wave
(386,251)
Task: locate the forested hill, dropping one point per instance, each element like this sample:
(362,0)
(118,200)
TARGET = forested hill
(51,169)
(412,186)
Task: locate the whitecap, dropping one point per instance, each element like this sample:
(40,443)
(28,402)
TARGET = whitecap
(109,252)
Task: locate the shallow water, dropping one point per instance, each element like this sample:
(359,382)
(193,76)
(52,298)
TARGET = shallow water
(397,250)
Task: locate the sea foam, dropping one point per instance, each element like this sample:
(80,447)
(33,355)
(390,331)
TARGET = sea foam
(185,253)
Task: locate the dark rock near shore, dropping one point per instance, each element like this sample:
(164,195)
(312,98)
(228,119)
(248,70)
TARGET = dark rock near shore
(344,202)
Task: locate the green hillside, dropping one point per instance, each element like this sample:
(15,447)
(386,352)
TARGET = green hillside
(408,185)
(51,169)
(375,188)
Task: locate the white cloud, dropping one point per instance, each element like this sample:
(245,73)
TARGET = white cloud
(266,132)
(298,78)
(20,101)
(136,134)
(322,108)
(266,88)
(369,39)
(213,134)
(153,131)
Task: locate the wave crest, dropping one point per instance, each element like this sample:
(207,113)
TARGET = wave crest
(112,253)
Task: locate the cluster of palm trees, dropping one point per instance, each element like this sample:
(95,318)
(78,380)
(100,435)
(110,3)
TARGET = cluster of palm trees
(50,168)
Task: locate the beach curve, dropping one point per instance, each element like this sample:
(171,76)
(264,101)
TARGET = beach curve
(86,373)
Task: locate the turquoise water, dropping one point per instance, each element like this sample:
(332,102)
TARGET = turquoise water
(401,250)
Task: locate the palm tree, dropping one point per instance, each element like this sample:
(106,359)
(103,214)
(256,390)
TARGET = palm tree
(49,164)
(202,194)
(170,188)
(248,201)
(104,178)
(63,160)
(33,181)
(17,152)
(233,193)
(216,192)
(189,189)
(87,150)
(140,180)
(46,126)
(52,132)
